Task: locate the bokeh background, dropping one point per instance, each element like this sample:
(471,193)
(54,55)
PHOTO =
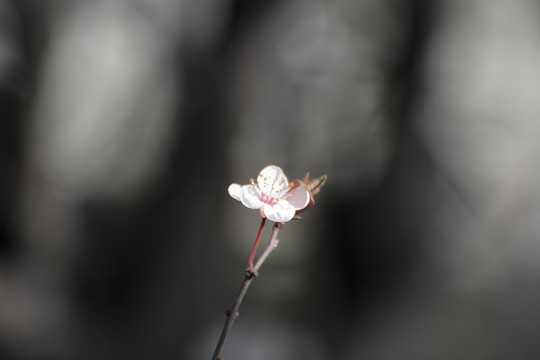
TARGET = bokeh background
(123,123)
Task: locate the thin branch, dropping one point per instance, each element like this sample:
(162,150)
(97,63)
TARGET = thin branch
(233,314)
(256,244)
(274,241)
(251,273)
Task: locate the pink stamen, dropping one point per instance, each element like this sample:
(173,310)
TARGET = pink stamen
(269,199)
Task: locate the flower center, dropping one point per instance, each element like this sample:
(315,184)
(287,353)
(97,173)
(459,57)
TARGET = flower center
(269,200)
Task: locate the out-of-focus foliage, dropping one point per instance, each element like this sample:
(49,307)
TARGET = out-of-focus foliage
(123,123)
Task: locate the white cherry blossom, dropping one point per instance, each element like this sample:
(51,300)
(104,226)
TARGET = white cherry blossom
(276,198)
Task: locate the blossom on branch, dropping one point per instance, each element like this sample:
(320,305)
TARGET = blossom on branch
(276,198)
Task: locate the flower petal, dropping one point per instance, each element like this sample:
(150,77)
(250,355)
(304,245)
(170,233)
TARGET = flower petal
(251,197)
(272,181)
(235,190)
(298,196)
(248,194)
(280,212)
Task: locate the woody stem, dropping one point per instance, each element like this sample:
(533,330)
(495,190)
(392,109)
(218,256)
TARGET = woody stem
(256,244)
(248,278)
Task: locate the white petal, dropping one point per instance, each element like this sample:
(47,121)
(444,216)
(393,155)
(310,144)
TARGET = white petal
(251,197)
(272,180)
(248,194)
(298,196)
(235,190)
(281,212)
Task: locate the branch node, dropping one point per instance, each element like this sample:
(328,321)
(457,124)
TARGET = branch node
(251,272)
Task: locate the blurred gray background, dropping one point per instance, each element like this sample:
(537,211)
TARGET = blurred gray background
(124,121)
